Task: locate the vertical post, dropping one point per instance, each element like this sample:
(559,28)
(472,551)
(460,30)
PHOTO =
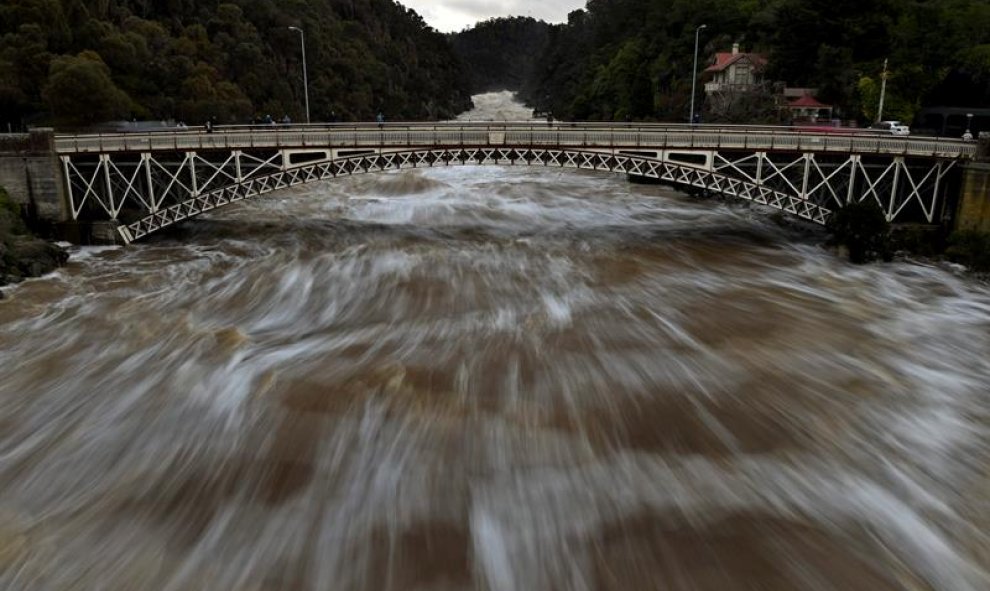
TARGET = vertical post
(146,157)
(191,158)
(883,91)
(930,214)
(302,41)
(68,189)
(237,166)
(898,163)
(759,167)
(808,157)
(853,165)
(694,71)
(105,163)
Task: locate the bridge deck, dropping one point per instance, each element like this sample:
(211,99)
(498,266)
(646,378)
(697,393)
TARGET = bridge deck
(586,135)
(151,180)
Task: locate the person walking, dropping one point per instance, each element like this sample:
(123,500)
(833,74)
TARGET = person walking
(380,118)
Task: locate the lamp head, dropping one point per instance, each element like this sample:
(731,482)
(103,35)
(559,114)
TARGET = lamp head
(702,27)
(296,29)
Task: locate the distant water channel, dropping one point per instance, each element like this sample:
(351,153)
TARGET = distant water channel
(492,379)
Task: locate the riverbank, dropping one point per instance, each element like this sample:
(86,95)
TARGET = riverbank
(22,254)
(961,251)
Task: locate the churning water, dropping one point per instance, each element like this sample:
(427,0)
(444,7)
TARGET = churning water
(495,379)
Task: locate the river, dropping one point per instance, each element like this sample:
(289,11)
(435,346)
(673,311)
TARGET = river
(492,379)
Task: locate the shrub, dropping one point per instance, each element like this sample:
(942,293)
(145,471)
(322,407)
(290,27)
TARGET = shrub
(970,248)
(918,239)
(10,217)
(863,229)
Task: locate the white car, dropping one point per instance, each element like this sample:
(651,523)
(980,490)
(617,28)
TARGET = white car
(893,128)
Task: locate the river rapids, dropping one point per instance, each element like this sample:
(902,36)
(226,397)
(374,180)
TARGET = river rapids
(493,379)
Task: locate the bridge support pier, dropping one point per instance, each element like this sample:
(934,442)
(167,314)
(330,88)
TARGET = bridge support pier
(973,212)
(91,233)
(31,174)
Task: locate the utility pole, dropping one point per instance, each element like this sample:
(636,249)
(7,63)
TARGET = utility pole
(883,91)
(302,41)
(694,72)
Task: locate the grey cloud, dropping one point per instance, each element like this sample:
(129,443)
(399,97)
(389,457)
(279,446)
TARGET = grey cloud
(454,15)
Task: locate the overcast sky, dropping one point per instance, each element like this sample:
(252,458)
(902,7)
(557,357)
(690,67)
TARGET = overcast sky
(453,15)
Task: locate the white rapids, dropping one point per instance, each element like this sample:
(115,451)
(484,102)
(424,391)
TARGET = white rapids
(492,379)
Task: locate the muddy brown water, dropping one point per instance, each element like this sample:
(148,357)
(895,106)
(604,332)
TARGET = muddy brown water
(492,379)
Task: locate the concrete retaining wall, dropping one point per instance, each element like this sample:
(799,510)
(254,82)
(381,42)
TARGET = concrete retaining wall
(29,172)
(974,198)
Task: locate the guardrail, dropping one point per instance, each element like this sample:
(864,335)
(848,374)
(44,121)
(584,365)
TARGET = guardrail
(38,142)
(587,135)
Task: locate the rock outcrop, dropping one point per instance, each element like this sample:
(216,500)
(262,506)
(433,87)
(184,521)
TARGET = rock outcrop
(23,255)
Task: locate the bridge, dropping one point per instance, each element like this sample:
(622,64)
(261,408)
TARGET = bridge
(144,182)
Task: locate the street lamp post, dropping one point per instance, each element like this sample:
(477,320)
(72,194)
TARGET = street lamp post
(968,134)
(302,41)
(883,91)
(694,72)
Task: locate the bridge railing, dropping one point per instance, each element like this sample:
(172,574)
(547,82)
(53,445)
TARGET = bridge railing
(595,136)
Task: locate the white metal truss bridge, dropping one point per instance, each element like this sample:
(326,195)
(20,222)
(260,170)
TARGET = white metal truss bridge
(149,181)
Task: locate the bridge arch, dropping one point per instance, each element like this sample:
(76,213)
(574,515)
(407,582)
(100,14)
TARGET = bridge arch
(148,181)
(681,174)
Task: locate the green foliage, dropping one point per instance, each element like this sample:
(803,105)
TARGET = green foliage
(970,248)
(895,106)
(502,52)
(80,89)
(7,206)
(21,254)
(754,106)
(11,223)
(863,229)
(918,239)
(229,60)
(634,58)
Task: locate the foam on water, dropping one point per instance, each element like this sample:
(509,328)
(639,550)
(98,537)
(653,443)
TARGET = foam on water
(492,378)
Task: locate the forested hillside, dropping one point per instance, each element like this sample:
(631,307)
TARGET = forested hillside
(620,59)
(502,52)
(75,62)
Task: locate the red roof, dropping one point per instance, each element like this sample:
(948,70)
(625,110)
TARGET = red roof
(724,59)
(808,101)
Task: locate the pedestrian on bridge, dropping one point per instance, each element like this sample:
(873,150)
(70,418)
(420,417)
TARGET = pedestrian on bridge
(380,118)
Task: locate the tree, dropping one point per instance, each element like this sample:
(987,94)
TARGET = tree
(502,52)
(896,106)
(13,101)
(80,90)
(755,105)
(936,51)
(224,59)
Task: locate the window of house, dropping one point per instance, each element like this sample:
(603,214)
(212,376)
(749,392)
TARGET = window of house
(742,75)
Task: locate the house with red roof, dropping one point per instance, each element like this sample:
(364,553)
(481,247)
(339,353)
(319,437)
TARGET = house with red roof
(734,72)
(807,108)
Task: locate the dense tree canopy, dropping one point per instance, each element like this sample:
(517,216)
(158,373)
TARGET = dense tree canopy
(82,61)
(620,59)
(75,62)
(502,52)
